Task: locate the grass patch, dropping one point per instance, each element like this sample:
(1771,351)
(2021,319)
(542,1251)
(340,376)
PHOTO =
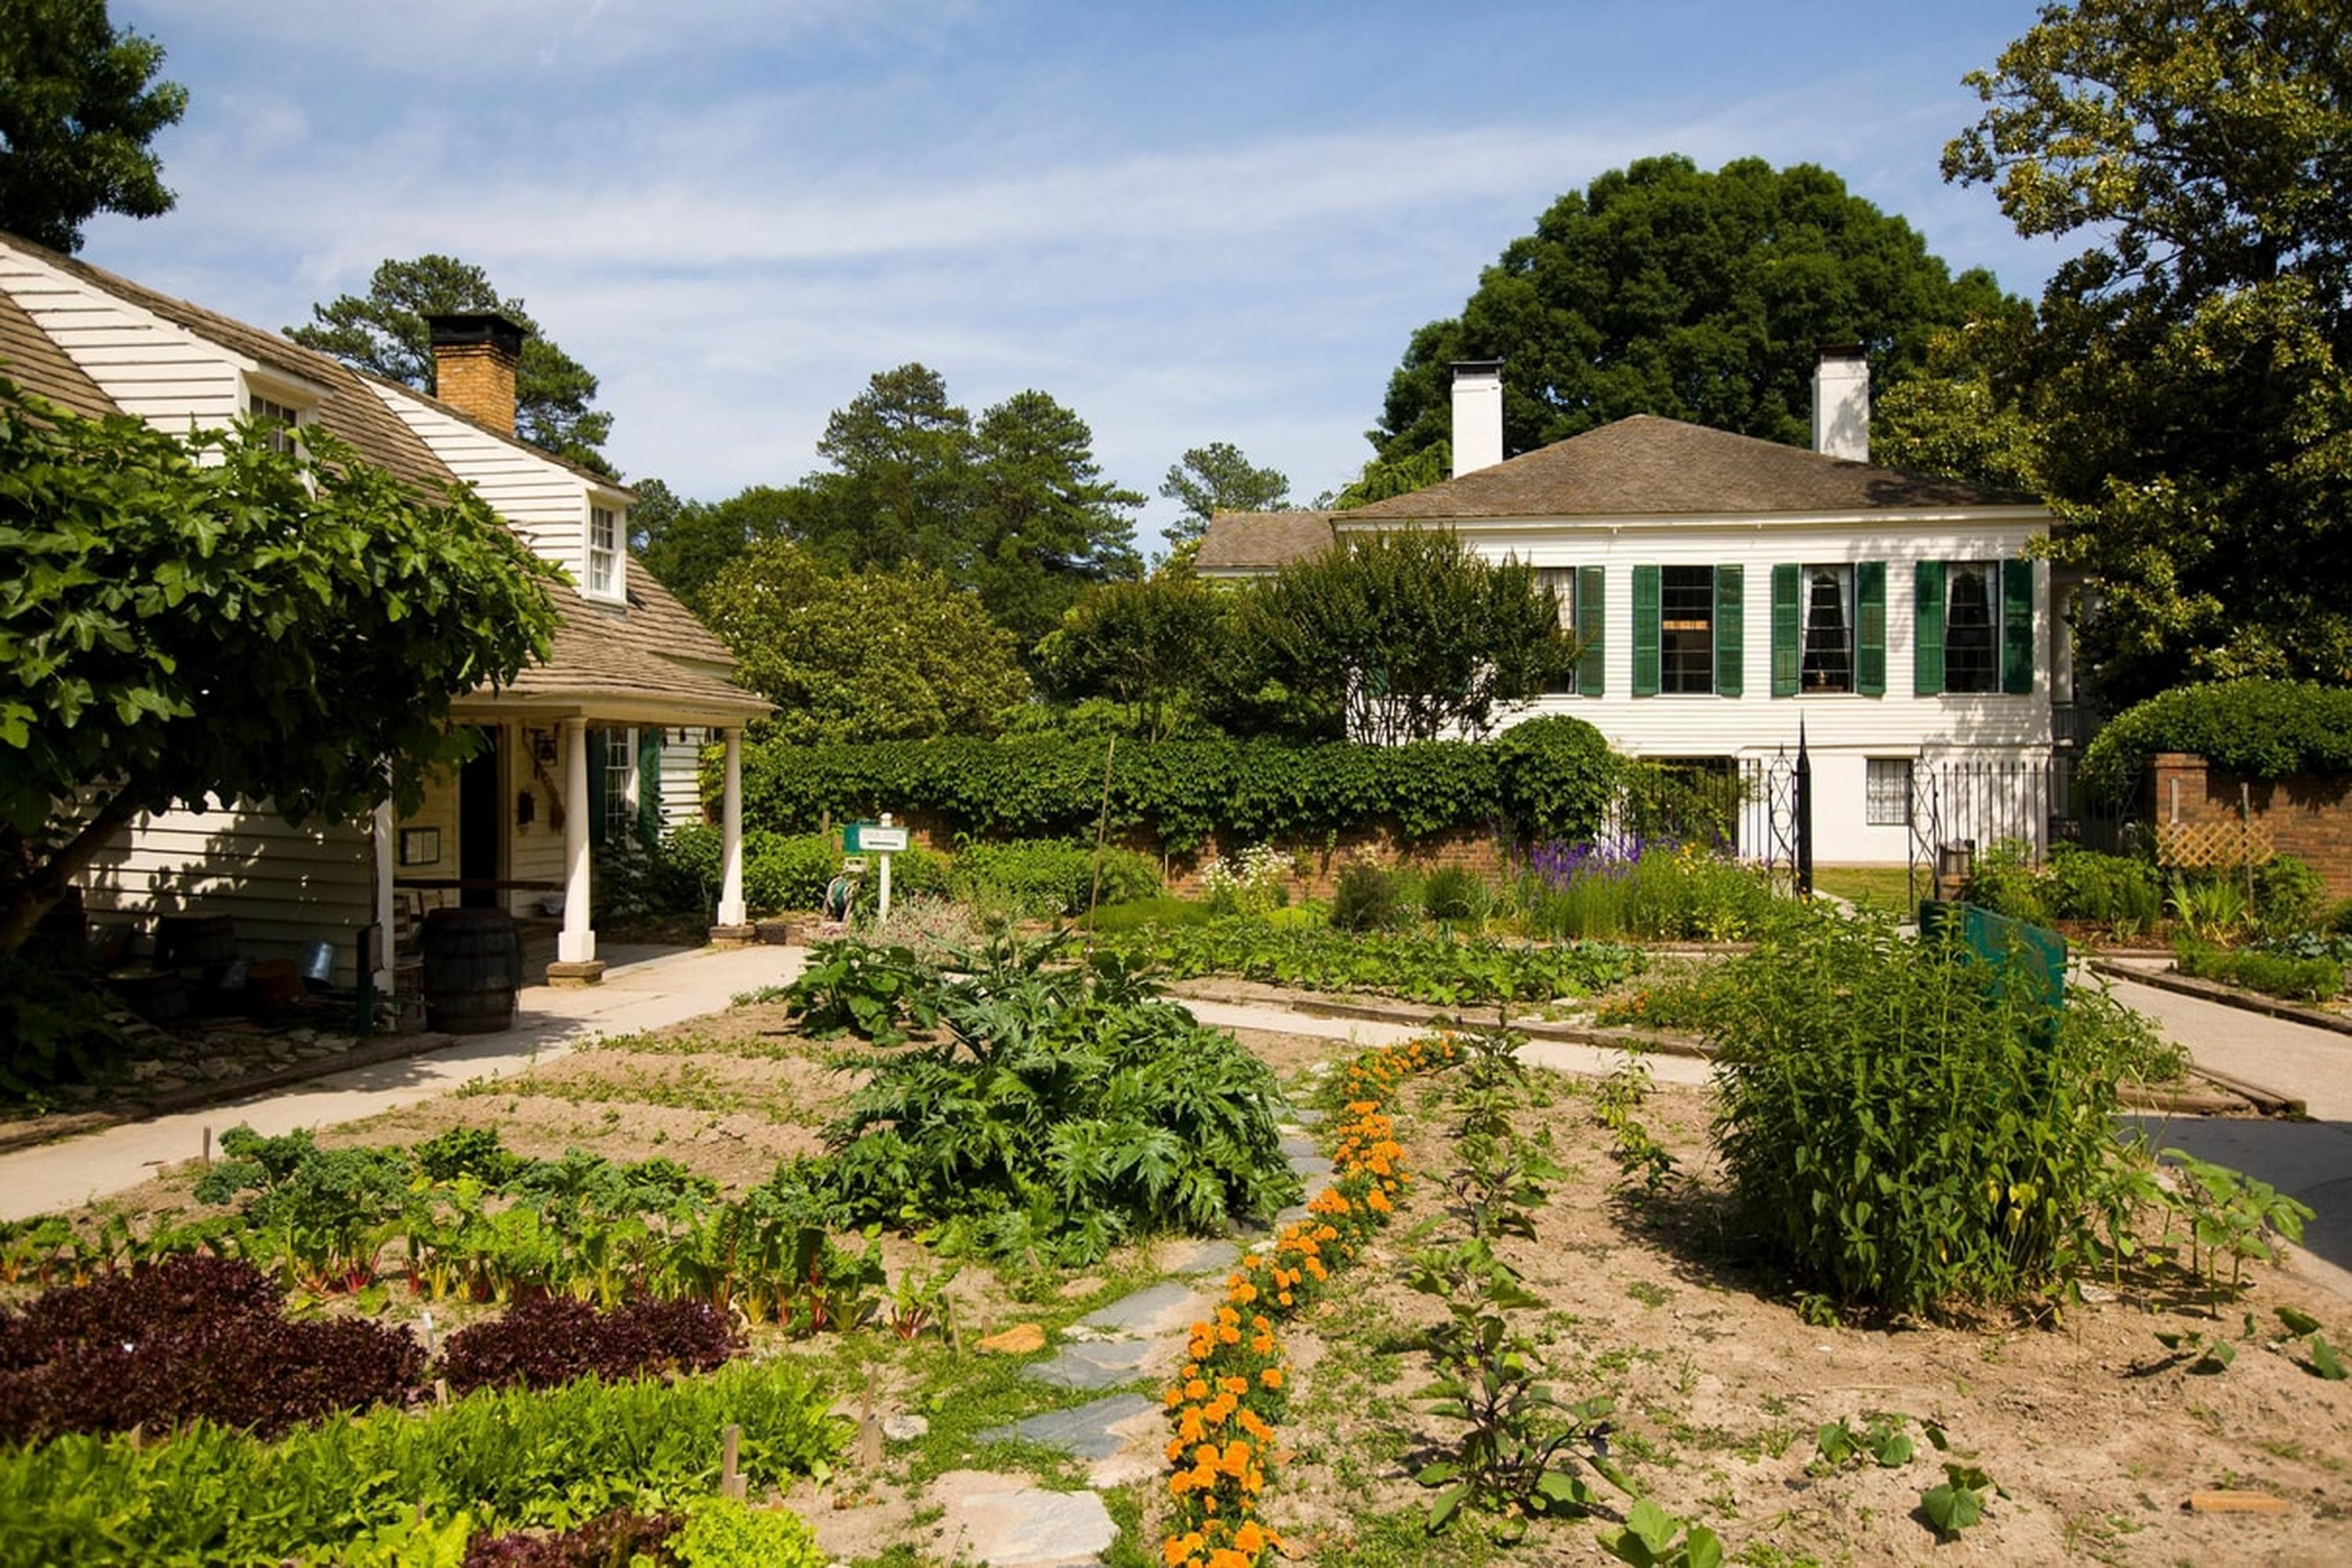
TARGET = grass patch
(1888,888)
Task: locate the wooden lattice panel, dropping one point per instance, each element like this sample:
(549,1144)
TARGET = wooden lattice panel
(2211,843)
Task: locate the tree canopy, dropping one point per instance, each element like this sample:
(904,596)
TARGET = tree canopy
(1150,646)
(1407,635)
(216,619)
(2186,378)
(1663,288)
(1014,507)
(79,106)
(383,331)
(687,543)
(1217,478)
(868,653)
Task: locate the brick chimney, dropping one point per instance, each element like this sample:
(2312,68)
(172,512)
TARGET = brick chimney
(474,357)
(1842,403)
(1477,414)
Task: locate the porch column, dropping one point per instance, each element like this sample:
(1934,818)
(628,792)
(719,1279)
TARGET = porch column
(386,867)
(734,924)
(576,946)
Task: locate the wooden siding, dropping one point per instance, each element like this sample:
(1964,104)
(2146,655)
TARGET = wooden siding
(544,502)
(285,886)
(148,366)
(681,780)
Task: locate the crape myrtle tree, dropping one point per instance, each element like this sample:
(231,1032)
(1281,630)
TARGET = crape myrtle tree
(79,106)
(1156,647)
(1665,288)
(1402,635)
(383,331)
(2185,377)
(211,620)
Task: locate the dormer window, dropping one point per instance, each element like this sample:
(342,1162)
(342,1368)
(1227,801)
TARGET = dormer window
(603,551)
(280,418)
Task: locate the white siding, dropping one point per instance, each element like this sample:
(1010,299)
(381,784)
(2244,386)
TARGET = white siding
(162,373)
(681,779)
(534,849)
(543,501)
(1842,730)
(285,886)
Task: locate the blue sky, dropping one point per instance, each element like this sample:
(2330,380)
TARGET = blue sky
(1187,222)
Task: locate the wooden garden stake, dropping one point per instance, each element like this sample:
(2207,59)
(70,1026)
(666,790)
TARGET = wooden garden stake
(440,1391)
(869,1430)
(730,1479)
(208,1149)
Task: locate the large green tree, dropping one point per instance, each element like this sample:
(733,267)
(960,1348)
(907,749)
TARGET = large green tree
(868,653)
(2186,377)
(1405,635)
(383,331)
(1663,289)
(1012,506)
(214,618)
(1218,478)
(1153,646)
(687,543)
(79,106)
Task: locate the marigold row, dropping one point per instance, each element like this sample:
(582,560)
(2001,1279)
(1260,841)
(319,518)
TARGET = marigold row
(1231,1393)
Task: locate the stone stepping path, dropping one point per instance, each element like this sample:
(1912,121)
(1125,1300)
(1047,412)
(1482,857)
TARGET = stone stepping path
(1009,1524)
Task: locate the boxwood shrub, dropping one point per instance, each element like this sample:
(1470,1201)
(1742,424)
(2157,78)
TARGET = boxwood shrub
(2266,729)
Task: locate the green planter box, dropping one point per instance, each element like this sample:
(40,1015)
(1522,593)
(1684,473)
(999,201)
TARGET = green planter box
(2002,939)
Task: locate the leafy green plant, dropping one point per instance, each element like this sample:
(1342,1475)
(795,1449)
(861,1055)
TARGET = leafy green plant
(2315,978)
(321,1214)
(1652,1538)
(1908,1126)
(1451,894)
(1365,898)
(2265,729)
(877,994)
(1063,1112)
(1446,971)
(510,1459)
(1616,1106)
(1884,1439)
(1513,1456)
(2201,1351)
(1045,878)
(1957,1501)
(722,1532)
(2214,909)
(2230,1214)
(2324,1362)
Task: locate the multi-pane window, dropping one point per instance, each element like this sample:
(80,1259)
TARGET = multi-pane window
(620,785)
(1972,626)
(1888,791)
(1562,580)
(604,549)
(280,418)
(1828,661)
(1686,629)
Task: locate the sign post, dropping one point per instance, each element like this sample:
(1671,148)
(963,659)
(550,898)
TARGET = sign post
(876,838)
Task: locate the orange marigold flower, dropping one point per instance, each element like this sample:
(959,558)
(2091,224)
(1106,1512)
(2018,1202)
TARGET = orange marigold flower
(1196,1389)
(1228,1334)
(1236,1458)
(1379,1201)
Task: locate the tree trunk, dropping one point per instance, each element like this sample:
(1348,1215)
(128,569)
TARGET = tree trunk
(27,903)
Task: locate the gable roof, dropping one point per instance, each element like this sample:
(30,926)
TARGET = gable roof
(32,362)
(1261,541)
(658,650)
(1650,466)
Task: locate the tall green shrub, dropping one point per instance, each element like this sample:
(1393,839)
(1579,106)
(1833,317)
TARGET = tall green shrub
(2264,727)
(1907,1127)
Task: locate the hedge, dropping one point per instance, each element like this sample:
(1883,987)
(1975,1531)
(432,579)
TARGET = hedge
(1549,778)
(2264,729)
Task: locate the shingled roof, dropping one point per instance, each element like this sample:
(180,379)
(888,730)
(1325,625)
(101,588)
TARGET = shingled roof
(658,650)
(1650,467)
(1261,541)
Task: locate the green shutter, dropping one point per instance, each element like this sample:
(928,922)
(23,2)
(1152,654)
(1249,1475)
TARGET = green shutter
(596,788)
(649,801)
(1870,628)
(1927,629)
(2017,628)
(1591,613)
(1788,642)
(1646,631)
(1731,631)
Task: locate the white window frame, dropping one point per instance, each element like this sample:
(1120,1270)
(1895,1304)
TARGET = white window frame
(261,396)
(1843,572)
(620,787)
(1562,580)
(1878,784)
(1994,588)
(603,568)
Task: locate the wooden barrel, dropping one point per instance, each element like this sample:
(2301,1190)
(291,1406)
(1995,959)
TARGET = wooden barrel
(473,966)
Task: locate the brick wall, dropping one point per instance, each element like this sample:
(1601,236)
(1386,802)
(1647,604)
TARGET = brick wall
(2204,815)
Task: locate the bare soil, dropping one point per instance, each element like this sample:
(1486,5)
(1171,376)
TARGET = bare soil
(1720,1385)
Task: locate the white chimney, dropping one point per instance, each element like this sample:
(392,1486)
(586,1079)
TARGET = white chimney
(1842,403)
(1477,414)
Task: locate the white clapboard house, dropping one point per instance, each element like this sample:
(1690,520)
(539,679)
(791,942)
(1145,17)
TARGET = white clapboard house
(600,738)
(1728,590)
